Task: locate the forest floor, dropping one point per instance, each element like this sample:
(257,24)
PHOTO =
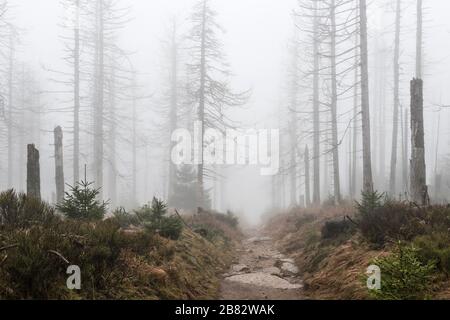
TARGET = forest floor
(261,272)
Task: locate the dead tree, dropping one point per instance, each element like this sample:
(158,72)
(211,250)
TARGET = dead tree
(355,120)
(293,119)
(393,182)
(365,106)
(316,107)
(76,94)
(59,164)
(10,108)
(209,84)
(33,173)
(419,39)
(419,189)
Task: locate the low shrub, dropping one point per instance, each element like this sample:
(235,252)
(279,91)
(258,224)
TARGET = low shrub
(215,226)
(125,219)
(229,218)
(21,211)
(336,229)
(384,220)
(437,218)
(304,219)
(209,233)
(403,275)
(435,247)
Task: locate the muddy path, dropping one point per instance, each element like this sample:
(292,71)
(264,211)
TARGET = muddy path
(261,272)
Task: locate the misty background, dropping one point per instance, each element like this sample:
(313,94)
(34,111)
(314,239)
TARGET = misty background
(256,43)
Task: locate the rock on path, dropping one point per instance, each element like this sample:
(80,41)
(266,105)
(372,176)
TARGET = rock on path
(261,272)
(265,280)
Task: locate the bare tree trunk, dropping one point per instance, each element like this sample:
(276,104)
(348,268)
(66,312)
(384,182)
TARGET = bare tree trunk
(307,179)
(293,166)
(99,103)
(134,146)
(112,136)
(419,189)
(22,129)
(407,140)
(365,107)
(316,109)
(419,39)
(173,114)
(334,101)
(33,173)
(76,113)
(404,153)
(355,123)
(59,165)
(201,112)
(293,123)
(394,151)
(10,111)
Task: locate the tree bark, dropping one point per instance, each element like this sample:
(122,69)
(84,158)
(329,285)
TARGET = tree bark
(33,173)
(419,189)
(316,109)
(99,103)
(173,113)
(201,112)
(355,122)
(419,39)
(134,147)
(59,165)
(394,151)
(76,113)
(10,111)
(112,185)
(293,123)
(334,101)
(365,106)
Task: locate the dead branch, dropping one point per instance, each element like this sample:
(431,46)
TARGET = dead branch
(8,247)
(59,255)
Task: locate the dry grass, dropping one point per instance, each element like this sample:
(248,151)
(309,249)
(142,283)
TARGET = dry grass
(330,269)
(115,263)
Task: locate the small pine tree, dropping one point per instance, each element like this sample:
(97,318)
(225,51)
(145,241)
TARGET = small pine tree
(370,202)
(186,189)
(81,203)
(154,218)
(403,275)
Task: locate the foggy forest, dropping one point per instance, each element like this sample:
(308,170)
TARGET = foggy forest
(231,150)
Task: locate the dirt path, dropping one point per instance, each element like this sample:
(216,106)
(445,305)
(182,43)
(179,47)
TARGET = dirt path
(261,273)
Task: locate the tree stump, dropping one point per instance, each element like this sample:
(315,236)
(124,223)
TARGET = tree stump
(33,173)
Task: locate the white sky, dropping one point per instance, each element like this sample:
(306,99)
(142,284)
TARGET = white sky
(255,42)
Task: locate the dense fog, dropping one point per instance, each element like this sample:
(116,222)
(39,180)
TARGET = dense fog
(137,56)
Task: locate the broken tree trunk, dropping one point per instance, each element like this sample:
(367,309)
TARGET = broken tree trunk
(59,165)
(419,189)
(33,173)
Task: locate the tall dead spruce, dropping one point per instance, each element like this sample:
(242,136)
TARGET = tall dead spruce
(419,189)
